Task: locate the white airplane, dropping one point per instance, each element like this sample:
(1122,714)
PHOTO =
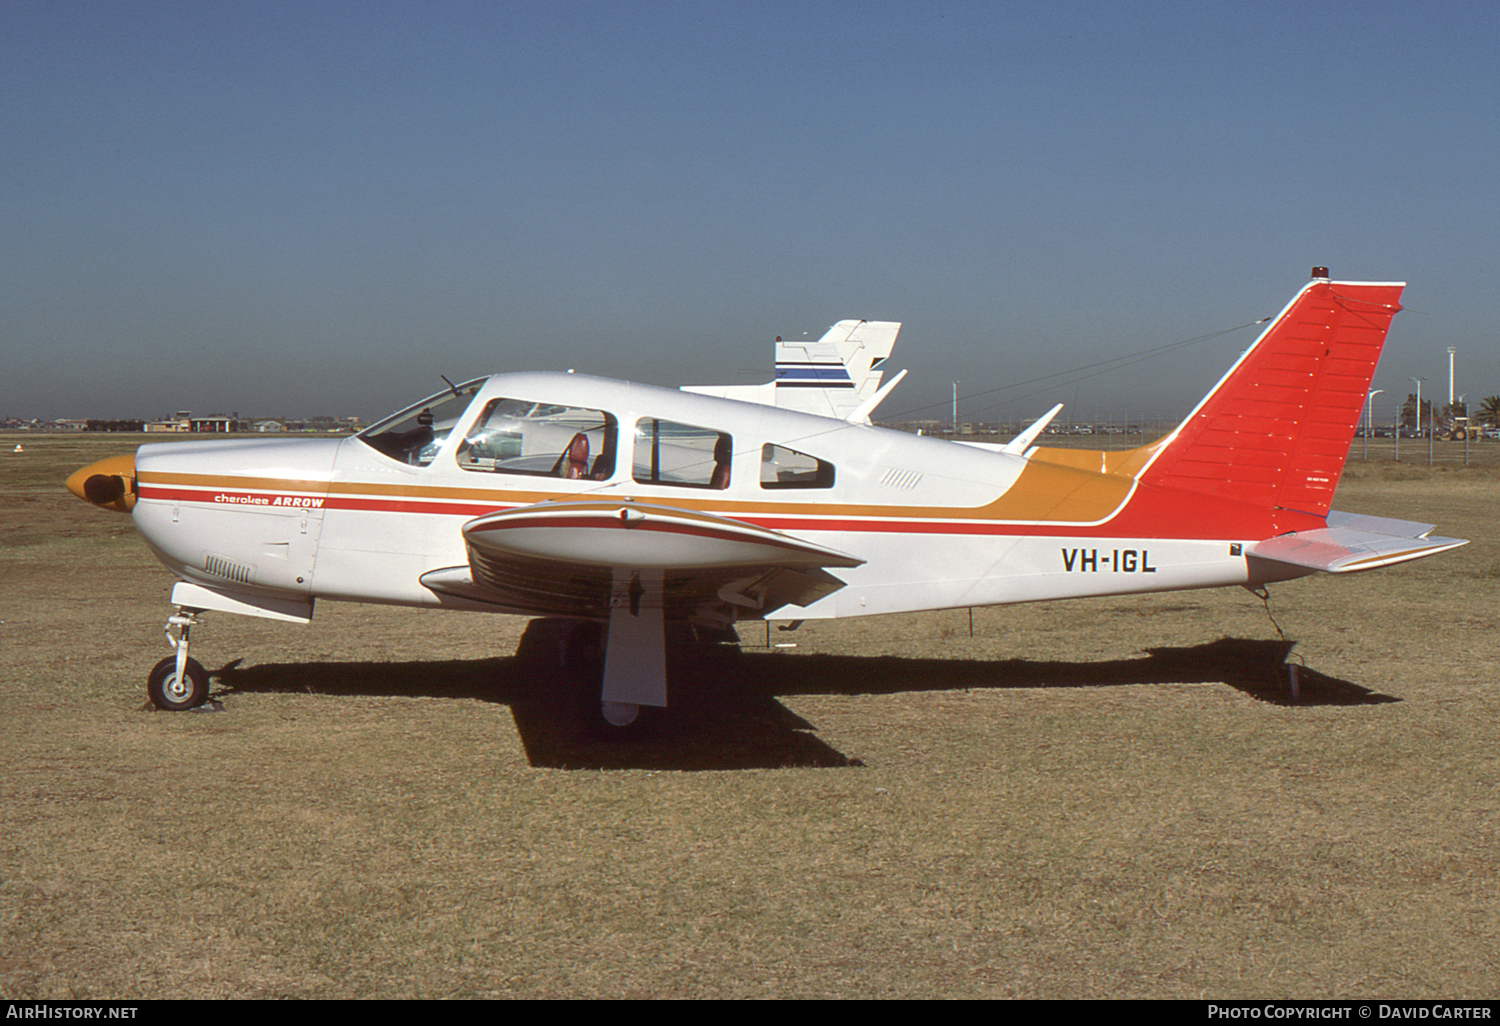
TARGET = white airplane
(836,376)
(636,512)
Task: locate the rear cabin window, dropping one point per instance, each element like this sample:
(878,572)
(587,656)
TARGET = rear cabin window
(517,436)
(685,455)
(781,467)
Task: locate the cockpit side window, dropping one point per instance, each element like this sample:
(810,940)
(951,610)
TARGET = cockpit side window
(781,467)
(414,435)
(685,455)
(518,436)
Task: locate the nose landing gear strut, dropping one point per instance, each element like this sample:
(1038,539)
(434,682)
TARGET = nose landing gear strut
(178,682)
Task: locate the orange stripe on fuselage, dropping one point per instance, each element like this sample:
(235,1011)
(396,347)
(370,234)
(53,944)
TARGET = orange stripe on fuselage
(1119,462)
(1043,493)
(1046,493)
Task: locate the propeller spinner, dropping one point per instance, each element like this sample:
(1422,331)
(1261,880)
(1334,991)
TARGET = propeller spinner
(108,484)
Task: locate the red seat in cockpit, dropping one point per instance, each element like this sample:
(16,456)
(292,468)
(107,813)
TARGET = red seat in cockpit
(576,458)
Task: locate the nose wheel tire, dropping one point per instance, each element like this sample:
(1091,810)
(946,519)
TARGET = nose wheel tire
(173,693)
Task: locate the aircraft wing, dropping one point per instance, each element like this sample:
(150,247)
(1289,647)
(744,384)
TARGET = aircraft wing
(574,558)
(1352,542)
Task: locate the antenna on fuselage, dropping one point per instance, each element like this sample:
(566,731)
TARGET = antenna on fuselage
(451,386)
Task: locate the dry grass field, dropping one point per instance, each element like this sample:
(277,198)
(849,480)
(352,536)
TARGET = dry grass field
(1105,798)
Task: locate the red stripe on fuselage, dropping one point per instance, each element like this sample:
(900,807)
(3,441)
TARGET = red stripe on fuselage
(1150,513)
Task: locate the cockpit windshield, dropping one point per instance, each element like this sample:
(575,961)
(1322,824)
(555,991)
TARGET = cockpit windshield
(415,434)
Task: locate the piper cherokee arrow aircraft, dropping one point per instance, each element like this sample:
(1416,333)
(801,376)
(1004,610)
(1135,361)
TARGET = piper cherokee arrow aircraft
(634,512)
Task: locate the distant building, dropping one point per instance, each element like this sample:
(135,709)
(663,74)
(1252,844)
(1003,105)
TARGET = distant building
(183,422)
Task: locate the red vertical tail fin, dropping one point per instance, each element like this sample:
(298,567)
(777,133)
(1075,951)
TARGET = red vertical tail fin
(1276,429)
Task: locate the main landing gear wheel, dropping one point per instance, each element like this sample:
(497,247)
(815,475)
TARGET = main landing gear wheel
(620,715)
(176,693)
(619,721)
(583,663)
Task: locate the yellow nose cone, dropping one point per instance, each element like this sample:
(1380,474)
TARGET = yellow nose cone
(108,484)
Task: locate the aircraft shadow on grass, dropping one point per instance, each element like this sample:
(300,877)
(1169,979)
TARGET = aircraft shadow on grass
(725,712)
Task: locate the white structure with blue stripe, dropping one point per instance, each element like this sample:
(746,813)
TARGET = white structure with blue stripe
(836,376)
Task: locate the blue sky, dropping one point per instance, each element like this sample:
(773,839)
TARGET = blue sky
(292,209)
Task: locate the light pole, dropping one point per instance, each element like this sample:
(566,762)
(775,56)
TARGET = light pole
(1369,420)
